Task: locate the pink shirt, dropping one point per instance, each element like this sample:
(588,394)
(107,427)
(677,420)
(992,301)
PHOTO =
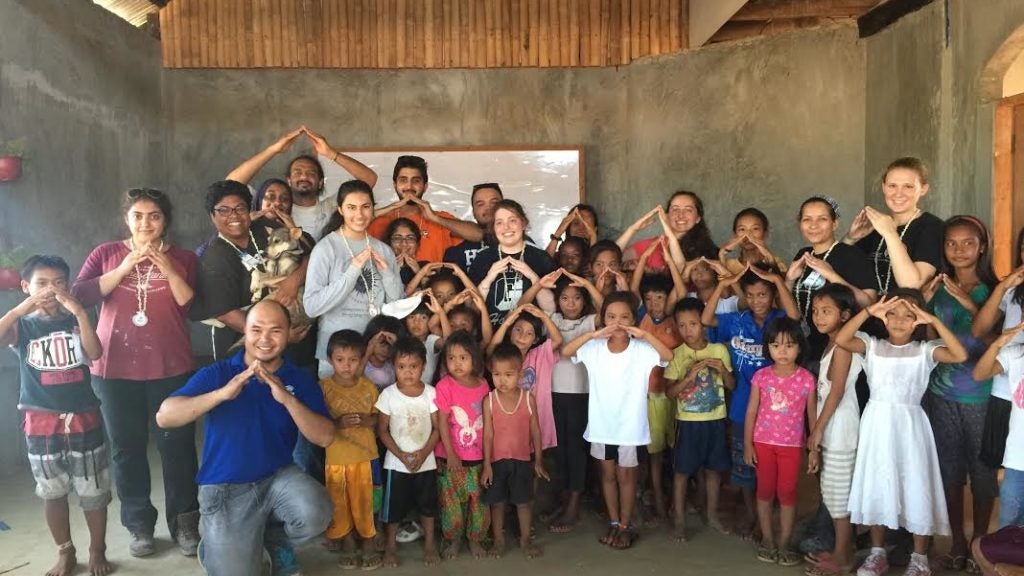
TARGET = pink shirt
(537,368)
(780,415)
(462,409)
(162,347)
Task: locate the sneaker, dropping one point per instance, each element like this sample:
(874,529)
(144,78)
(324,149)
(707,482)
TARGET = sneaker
(409,532)
(284,562)
(876,564)
(916,568)
(187,533)
(142,544)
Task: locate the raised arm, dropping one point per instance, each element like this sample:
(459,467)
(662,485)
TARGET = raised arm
(641,223)
(325,286)
(357,169)
(989,317)
(988,365)
(906,272)
(468,230)
(87,334)
(953,352)
(786,299)
(245,171)
(708,317)
(596,297)
(177,411)
(554,334)
(641,266)
(499,334)
(664,352)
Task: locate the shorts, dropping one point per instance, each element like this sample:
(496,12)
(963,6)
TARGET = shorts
(351,490)
(511,483)
(995,431)
(958,432)
(624,456)
(778,472)
(700,445)
(68,453)
(405,493)
(1005,546)
(741,476)
(661,420)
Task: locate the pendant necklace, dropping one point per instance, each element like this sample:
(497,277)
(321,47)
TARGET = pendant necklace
(810,281)
(371,286)
(140,318)
(884,289)
(505,298)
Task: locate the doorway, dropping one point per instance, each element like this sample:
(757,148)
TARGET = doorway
(1008,191)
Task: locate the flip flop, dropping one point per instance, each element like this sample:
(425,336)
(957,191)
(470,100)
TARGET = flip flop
(952,562)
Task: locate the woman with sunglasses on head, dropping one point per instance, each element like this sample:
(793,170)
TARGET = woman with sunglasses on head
(144,286)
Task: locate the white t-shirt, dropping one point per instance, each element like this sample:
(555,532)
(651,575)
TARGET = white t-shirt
(312,219)
(1011,317)
(618,391)
(725,305)
(569,377)
(1011,358)
(432,353)
(410,424)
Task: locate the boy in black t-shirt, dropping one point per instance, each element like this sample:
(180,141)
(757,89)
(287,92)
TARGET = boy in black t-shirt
(54,340)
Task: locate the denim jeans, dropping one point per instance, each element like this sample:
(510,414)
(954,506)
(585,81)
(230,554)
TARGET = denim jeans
(129,407)
(1011,498)
(239,520)
(310,458)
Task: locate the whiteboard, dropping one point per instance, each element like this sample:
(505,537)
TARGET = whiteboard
(547,182)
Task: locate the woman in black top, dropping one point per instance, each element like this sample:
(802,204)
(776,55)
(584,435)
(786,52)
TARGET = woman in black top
(904,247)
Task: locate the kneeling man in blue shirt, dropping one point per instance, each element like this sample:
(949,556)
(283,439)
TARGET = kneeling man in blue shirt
(251,496)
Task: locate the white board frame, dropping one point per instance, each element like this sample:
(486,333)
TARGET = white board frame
(547,180)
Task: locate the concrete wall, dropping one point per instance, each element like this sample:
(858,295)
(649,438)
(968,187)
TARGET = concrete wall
(83,88)
(761,123)
(925,98)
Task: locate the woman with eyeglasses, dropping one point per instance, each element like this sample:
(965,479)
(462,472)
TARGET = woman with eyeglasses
(144,286)
(403,235)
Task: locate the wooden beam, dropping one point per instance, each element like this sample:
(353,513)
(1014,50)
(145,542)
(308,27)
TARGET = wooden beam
(708,16)
(732,31)
(884,15)
(770,10)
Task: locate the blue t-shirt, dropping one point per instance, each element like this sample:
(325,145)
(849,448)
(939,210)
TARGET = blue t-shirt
(253,436)
(746,342)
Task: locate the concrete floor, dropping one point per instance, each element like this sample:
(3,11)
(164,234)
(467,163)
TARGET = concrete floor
(26,548)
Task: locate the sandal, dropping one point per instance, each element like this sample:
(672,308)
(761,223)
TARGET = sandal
(609,536)
(972,567)
(952,562)
(625,538)
(373,562)
(768,555)
(788,558)
(349,561)
(817,557)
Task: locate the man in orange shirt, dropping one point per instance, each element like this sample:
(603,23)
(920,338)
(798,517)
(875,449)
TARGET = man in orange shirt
(439,230)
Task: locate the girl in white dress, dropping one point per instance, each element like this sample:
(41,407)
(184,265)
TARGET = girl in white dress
(896,479)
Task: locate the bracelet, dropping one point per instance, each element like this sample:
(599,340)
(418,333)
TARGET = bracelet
(556,238)
(335,159)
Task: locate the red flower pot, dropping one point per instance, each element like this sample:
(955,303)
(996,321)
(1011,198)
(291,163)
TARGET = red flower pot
(10,168)
(10,279)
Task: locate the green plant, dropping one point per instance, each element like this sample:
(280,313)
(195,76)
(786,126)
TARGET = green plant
(14,147)
(14,257)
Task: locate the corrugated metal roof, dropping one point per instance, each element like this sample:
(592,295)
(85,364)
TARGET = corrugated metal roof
(132,11)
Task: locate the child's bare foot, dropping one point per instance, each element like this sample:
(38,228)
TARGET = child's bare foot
(476,549)
(530,550)
(609,536)
(390,557)
(98,564)
(431,557)
(332,545)
(498,548)
(679,530)
(451,549)
(66,562)
(716,524)
(563,525)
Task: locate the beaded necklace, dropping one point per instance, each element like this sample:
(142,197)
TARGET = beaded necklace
(371,286)
(801,286)
(884,289)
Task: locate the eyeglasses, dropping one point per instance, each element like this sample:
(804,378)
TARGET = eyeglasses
(399,239)
(225,211)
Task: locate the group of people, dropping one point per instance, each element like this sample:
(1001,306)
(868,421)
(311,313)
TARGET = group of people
(406,366)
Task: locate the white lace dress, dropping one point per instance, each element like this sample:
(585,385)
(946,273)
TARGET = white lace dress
(896,480)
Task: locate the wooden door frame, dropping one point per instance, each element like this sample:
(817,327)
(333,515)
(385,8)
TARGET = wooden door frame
(1002,189)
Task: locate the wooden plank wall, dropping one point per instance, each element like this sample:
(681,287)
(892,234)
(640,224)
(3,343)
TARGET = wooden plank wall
(418,33)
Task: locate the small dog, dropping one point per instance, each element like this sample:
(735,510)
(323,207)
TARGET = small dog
(284,253)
